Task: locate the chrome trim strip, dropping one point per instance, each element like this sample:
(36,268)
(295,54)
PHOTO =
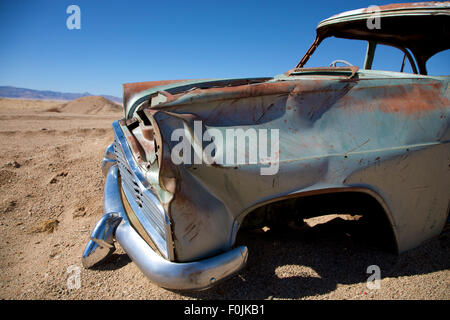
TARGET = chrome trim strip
(181,276)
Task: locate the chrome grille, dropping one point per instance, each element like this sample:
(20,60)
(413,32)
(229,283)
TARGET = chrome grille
(144,203)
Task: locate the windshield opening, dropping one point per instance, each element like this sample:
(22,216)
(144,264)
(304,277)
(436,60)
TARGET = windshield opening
(332,49)
(345,52)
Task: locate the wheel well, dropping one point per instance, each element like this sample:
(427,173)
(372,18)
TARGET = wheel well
(355,203)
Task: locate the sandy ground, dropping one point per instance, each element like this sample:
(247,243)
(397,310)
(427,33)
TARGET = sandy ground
(50,171)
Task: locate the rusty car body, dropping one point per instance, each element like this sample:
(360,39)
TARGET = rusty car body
(343,131)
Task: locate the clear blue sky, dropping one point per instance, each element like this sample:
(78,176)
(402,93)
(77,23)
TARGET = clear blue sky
(131,41)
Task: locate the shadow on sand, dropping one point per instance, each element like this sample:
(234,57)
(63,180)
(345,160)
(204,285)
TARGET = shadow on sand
(338,252)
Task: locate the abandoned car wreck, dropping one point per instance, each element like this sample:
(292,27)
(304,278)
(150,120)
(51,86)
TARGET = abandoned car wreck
(342,132)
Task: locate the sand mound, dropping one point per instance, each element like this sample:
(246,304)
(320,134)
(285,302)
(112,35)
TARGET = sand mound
(91,105)
(28,104)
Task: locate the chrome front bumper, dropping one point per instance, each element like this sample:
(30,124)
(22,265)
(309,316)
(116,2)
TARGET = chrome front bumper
(114,224)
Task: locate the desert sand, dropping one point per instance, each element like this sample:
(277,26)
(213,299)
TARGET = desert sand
(51,196)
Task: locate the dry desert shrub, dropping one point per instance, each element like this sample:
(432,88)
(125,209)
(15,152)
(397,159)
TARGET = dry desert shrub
(46,226)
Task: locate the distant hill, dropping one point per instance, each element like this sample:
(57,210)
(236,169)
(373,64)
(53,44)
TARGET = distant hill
(90,105)
(23,93)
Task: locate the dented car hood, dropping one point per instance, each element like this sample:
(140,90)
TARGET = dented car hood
(147,94)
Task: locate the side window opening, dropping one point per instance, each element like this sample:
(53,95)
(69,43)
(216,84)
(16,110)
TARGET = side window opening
(439,64)
(388,58)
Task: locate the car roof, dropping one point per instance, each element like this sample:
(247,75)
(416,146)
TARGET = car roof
(393,10)
(421,27)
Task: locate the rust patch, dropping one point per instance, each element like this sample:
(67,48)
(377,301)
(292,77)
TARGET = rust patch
(417,99)
(415,5)
(130,89)
(406,100)
(244,91)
